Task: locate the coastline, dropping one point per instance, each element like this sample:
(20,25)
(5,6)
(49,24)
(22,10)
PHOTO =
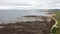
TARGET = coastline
(35,26)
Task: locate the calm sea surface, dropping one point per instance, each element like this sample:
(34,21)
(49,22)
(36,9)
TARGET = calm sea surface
(7,16)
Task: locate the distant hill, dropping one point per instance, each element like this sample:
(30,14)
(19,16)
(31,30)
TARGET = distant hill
(54,10)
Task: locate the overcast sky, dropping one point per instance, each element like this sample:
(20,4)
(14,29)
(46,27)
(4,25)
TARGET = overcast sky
(29,4)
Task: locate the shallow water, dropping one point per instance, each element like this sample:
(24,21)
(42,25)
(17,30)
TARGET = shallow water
(12,15)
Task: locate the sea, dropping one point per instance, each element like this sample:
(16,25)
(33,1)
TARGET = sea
(12,15)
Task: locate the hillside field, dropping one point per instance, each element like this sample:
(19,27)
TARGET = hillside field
(57,17)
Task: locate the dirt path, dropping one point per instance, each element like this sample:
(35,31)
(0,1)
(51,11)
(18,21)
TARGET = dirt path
(55,25)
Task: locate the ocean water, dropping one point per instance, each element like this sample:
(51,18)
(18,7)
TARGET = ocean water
(8,16)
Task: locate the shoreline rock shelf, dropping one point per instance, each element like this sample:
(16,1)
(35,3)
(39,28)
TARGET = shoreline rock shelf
(29,27)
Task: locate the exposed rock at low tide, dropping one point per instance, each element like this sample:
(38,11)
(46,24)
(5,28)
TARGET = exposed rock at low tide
(37,25)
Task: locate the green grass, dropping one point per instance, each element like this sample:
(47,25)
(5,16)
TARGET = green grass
(57,17)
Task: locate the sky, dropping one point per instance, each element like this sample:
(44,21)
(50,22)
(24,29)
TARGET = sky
(29,4)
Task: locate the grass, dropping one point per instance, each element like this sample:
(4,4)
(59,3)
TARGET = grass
(57,17)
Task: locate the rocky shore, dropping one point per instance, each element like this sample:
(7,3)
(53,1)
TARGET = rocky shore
(29,25)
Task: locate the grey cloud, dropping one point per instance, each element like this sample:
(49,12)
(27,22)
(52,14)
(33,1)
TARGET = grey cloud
(13,4)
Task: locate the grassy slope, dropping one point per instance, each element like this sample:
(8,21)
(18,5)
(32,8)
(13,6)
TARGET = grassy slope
(57,17)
